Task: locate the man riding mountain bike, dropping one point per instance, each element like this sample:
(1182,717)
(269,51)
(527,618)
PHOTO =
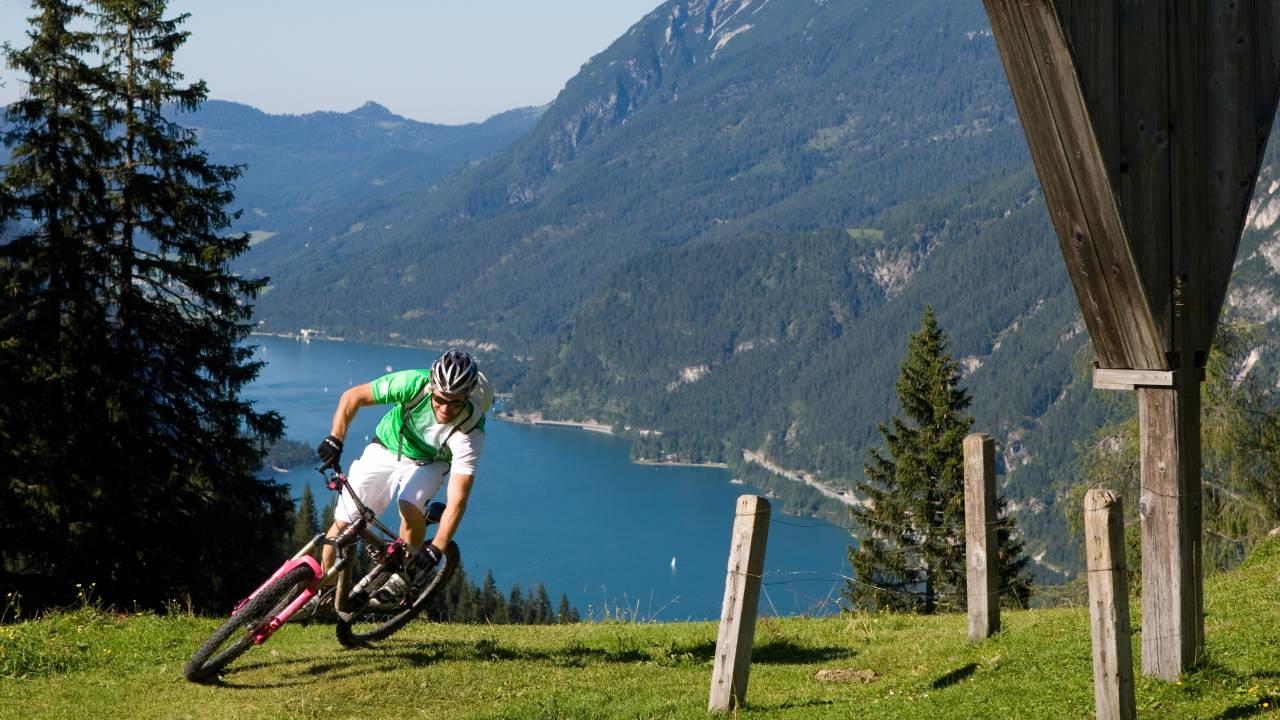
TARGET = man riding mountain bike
(435,426)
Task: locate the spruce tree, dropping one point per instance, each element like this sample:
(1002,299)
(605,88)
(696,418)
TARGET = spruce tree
(450,605)
(539,612)
(304,520)
(516,606)
(492,607)
(130,322)
(567,613)
(52,323)
(911,552)
(470,606)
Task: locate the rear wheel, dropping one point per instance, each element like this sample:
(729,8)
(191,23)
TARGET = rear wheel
(235,635)
(375,621)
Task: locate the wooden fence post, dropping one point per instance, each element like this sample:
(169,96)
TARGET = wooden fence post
(1172,527)
(981,551)
(741,596)
(1109,607)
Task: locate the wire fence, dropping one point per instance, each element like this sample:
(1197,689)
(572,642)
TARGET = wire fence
(820,522)
(833,586)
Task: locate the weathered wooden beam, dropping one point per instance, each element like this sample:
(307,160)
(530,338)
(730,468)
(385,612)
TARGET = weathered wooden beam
(1241,107)
(1110,379)
(1172,532)
(1093,30)
(982,566)
(741,596)
(1078,190)
(1145,152)
(1113,693)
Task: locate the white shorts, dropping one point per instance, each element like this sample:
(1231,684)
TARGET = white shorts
(377,476)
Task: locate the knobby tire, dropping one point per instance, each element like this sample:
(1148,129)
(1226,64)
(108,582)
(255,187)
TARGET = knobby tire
(371,623)
(235,635)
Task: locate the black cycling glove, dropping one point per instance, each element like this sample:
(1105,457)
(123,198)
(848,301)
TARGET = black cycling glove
(330,451)
(426,559)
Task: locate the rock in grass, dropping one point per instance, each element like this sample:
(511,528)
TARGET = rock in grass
(846,674)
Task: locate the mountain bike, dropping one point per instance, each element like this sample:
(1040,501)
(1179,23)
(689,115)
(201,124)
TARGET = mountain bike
(364,614)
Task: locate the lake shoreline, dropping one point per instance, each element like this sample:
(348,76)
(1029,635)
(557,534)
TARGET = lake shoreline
(681,463)
(536,418)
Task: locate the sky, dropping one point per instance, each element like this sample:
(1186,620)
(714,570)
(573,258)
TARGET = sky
(441,61)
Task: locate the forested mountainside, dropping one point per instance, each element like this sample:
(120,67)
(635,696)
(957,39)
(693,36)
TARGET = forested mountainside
(299,166)
(705,120)
(723,230)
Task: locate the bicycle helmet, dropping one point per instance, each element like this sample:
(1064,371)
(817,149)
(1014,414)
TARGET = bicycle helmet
(455,373)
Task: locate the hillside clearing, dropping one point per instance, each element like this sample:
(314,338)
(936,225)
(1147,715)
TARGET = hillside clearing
(89,664)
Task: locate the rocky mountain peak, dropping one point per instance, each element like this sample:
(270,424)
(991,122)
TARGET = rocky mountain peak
(374,111)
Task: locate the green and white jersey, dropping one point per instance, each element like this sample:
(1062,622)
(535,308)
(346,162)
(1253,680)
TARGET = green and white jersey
(424,440)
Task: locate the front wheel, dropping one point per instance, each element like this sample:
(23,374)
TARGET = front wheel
(235,635)
(375,621)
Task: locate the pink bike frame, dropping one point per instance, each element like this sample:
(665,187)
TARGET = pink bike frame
(274,624)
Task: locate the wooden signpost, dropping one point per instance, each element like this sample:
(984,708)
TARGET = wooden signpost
(1147,121)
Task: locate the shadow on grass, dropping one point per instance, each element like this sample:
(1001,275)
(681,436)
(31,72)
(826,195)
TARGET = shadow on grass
(1243,710)
(389,655)
(788,705)
(393,653)
(782,652)
(773,652)
(1215,674)
(954,676)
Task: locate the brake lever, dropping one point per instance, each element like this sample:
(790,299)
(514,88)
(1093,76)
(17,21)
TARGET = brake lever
(334,481)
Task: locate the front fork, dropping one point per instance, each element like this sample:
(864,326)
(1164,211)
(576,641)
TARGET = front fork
(303,557)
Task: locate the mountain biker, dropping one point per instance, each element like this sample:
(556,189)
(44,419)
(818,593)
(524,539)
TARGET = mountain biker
(435,426)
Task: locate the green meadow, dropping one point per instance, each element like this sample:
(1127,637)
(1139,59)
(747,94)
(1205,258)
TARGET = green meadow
(90,663)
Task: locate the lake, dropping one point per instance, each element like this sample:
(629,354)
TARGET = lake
(567,507)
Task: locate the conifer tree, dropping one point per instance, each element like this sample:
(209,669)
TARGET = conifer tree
(129,322)
(469,608)
(493,606)
(539,612)
(52,337)
(459,598)
(911,553)
(304,520)
(516,606)
(567,613)
(327,512)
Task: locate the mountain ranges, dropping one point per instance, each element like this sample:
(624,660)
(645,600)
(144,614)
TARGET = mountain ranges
(718,236)
(716,239)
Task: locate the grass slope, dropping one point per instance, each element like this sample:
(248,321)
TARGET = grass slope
(89,664)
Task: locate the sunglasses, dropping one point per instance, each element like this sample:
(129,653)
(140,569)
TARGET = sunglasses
(449,403)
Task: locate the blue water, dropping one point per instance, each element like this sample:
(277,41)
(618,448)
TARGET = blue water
(567,507)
